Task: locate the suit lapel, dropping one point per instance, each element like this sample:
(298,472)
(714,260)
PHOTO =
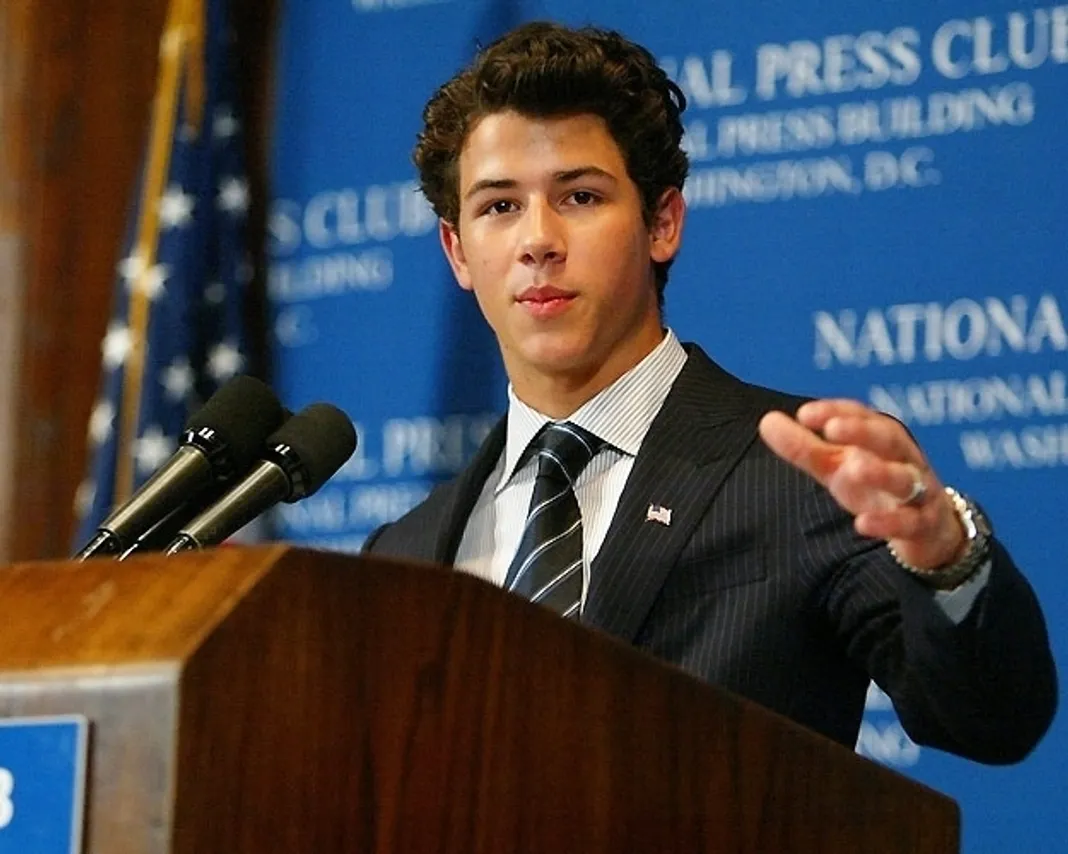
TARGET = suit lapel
(700,433)
(464,493)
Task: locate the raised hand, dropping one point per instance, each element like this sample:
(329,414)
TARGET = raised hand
(875,471)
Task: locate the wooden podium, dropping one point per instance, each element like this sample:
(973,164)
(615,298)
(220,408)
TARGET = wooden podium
(274,699)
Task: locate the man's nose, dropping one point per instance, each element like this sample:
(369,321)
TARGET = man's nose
(542,239)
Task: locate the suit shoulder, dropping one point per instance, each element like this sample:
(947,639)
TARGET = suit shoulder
(767,399)
(413,534)
(713,386)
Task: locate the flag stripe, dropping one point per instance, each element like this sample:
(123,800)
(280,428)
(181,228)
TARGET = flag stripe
(193,56)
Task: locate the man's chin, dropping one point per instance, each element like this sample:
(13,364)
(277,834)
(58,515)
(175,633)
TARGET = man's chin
(558,359)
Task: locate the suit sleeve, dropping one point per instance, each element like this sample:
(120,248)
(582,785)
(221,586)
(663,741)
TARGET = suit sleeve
(984,688)
(372,538)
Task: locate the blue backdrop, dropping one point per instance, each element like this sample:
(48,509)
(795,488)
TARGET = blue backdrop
(877,210)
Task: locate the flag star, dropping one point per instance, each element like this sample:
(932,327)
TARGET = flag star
(131,267)
(233,195)
(152,449)
(152,282)
(225,123)
(84,497)
(117,345)
(100,422)
(225,361)
(178,379)
(215,293)
(175,208)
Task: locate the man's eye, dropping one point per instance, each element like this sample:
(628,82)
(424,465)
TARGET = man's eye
(499,207)
(583,197)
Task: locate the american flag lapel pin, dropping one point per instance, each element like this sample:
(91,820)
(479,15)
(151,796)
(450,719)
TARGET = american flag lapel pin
(656,513)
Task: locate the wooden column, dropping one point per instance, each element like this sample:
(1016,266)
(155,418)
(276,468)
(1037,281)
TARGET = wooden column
(14,66)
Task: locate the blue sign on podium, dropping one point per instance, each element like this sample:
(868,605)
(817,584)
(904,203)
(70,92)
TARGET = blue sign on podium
(42,784)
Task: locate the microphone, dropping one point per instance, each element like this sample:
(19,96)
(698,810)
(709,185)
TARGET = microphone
(220,442)
(160,535)
(301,456)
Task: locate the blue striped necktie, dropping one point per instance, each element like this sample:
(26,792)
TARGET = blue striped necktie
(547,568)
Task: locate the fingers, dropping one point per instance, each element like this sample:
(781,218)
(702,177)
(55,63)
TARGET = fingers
(847,422)
(816,413)
(862,475)
(878,434)
(894,482)
(866,483)
(799,446)
(924,523)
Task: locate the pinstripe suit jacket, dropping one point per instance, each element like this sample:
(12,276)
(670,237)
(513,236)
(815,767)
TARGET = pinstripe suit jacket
(760,585)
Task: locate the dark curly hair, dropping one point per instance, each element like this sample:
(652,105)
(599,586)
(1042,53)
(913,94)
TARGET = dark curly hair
(542,70)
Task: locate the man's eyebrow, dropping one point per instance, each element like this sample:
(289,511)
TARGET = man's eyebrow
(563,177)
(583,172)
(490,184)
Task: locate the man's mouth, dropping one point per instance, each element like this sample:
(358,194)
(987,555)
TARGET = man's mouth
(543,293)
(545,301)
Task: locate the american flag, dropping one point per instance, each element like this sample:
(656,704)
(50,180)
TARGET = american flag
(176,330)
(656,513)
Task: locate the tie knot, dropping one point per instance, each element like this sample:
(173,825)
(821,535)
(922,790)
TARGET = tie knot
(564,450)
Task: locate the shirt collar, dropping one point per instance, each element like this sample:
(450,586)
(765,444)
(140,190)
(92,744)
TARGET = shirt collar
(621,414)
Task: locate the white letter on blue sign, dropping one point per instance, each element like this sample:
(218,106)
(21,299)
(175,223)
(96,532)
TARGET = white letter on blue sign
(7,808)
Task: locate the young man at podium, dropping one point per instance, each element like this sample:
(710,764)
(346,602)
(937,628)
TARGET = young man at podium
(786,550)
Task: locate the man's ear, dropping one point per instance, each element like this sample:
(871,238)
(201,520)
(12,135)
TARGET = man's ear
(665,230)
(454,251)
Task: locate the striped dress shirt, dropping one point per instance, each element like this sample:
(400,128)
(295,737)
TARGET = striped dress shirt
(620,415)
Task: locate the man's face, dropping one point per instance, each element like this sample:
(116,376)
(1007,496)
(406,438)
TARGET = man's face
(551,240)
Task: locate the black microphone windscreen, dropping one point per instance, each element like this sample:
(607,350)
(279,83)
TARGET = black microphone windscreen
(238,412)
(322,437)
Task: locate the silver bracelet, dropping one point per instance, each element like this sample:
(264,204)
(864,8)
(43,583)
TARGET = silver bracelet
(977,530)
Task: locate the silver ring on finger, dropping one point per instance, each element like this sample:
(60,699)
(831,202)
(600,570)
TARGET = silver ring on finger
(918,492)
